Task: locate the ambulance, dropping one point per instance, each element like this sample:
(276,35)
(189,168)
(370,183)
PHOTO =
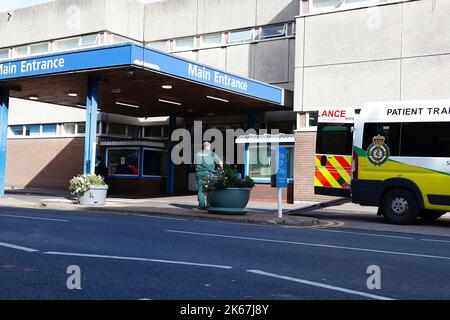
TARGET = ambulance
(401,160)
(333,157)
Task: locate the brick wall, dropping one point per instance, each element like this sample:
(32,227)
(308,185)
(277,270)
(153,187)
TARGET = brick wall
(264,192)
(43,163)
(305,148)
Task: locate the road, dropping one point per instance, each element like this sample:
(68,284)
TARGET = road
(136,257)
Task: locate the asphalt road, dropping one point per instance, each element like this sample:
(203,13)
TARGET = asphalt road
(135,257)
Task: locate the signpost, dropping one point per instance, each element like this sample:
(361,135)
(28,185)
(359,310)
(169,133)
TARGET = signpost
(279,178)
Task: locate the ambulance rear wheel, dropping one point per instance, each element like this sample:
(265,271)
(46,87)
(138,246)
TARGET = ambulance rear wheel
(399,206)
(430,215)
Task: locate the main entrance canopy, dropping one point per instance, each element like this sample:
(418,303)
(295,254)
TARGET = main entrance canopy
(130,80)
(140,82)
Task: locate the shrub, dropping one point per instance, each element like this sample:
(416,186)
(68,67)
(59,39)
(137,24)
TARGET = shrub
(82,184)
(224,179)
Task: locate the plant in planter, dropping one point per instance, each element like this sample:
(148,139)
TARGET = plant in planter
(90,189)
(227,193)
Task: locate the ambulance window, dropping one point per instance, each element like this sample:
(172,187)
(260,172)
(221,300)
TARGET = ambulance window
(390,131)
(336,139)
(426,139)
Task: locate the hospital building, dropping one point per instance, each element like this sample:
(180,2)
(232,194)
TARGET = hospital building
(118,77)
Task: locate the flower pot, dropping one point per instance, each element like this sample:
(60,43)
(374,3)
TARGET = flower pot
(96,196)
(230,201)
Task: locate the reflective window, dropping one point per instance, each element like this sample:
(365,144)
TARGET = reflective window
(240,36)
(49,129)
(425,140)
(155,163)
(273,31)
(212,40)
(134,132)
(123,161)
(260,166)
(81,128)
(4,54)
(159,45)
(184,44)
(21,51)
(90,40)
(117,129)
(153,131)
(69,128)
(17,130)
(32,130)
(389,131)
(67,44)
(334,139)
(39,48)
(313,118)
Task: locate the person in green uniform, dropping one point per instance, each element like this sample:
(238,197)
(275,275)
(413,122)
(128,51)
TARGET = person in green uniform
(205,164)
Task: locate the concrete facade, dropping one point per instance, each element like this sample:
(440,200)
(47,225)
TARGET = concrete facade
(346,58)
(397,51)
(270,61)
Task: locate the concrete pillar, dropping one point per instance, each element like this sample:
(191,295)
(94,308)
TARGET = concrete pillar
(4,106)
(90,140)
(170,184)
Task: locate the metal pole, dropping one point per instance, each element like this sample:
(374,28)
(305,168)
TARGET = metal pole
(280,203)
(4,106)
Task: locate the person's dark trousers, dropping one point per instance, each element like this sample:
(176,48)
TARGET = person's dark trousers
(201,195)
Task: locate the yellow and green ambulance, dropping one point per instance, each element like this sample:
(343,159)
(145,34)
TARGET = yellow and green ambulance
(401,159)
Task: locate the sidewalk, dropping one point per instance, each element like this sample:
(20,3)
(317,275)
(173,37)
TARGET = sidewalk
(184,207)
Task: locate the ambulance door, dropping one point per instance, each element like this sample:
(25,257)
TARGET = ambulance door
(333,159)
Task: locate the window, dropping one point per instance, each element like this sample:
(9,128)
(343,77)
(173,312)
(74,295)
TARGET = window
(77,42)
(134,132)
(20,52)
(90,40)
(214,40)
(17,130)
(155,163)
(153,132)
(118,39)
(123,161)
(312,119)
(81,128)
(67,44)
(69,128)
(273,31)
(259,162)
(240,36)
(390,131)
(32,130)
(425,140)
(4,54)
(39,48)
(184,44)
(117,129)
(335,139)
(159,45)
(49,129)
(332,5)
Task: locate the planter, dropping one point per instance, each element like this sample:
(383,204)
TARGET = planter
(96,196)
(230,201)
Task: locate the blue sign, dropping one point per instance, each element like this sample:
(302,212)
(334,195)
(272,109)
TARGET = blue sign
(67,62)
(189,70)
(280,179)
(133,55)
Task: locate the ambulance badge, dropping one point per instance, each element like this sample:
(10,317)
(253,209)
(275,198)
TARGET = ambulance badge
(378,152)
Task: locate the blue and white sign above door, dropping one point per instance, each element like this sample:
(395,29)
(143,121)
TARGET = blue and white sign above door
(133,55)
